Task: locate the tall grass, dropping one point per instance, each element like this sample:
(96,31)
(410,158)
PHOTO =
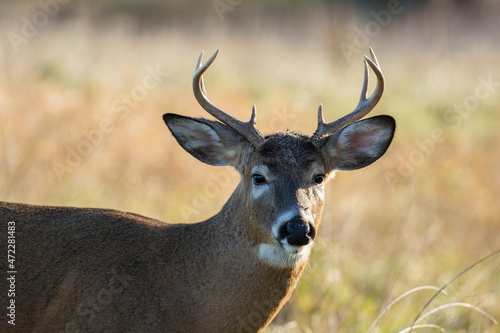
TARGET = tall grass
(419,216)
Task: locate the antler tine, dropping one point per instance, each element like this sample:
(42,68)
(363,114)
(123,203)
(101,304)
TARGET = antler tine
(246,129)
(321,120)
(365,105)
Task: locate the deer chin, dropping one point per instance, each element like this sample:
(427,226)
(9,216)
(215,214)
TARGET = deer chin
(283,255)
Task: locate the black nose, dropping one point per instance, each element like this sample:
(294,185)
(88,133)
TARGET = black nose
(298,232)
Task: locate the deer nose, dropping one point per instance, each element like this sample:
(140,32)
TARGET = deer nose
(298,232)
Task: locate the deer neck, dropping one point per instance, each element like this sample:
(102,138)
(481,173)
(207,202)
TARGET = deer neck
(251,290)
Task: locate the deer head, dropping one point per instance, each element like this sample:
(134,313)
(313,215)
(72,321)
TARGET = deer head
(283,174)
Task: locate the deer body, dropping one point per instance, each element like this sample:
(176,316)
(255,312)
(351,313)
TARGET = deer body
(95,270)
(135,275)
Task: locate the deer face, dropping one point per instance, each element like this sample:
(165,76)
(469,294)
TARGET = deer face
(283,174)
(286,190)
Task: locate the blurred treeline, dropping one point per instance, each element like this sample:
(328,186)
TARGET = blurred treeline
(151,13)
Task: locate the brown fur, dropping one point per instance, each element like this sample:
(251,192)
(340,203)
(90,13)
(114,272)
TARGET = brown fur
(99,270)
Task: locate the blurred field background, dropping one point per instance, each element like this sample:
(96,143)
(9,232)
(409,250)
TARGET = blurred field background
(79,127)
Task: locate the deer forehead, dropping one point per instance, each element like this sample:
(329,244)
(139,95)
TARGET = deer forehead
(287,154)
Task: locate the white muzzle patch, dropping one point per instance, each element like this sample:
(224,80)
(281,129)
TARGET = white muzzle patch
(282,257)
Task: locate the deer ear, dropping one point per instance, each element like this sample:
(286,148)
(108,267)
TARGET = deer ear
(359,144)
(209,141)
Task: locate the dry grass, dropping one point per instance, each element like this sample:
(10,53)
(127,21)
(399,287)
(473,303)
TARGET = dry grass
(419,216)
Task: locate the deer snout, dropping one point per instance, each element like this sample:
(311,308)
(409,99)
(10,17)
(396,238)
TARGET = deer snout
(297,231)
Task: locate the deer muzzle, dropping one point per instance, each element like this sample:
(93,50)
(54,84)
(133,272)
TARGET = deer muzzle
(297,231)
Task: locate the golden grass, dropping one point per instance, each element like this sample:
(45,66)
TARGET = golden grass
(419,216)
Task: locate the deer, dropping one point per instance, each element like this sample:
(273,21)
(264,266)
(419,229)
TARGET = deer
(102,270)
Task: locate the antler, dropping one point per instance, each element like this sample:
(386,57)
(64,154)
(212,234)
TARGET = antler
(246,129)
(364,106)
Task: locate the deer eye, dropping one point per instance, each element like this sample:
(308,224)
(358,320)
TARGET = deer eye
(258,179)
(319,179)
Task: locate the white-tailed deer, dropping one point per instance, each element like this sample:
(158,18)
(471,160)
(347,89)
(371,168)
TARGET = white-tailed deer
(98,270)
